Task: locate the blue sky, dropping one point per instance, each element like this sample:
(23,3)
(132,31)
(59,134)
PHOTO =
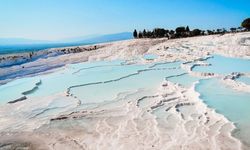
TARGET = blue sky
(59,19)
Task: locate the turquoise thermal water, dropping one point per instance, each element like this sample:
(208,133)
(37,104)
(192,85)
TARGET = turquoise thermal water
(108,91)
(224,65)
(60,82)
(74,74)
(232,104)
(90,72)
(184,80)
(244,79)
(13,90)
(150,56)
(145,79)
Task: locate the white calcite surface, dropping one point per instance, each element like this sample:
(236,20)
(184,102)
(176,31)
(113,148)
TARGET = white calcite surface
(166,116)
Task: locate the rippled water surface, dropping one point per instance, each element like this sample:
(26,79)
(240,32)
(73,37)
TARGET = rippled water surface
(232,104)
(114,77)
(150,56)
(96,82)
(244,79)
(224,65)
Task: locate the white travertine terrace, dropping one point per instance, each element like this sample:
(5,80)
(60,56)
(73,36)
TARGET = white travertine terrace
(172,118)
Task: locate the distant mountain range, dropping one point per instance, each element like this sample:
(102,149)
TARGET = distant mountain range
(77,40)
(108,38)
(18,45)
(20,41)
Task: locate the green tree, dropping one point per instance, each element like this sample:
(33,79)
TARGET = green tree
(180,31)
(196,32)
(171,32)
(166,33)
(140,35)
(135,34)
(203,32)
(159,32)
(144,34)
(209,32)
(224,30)
(219,30)
(149,34)
(246,24)
(233,29)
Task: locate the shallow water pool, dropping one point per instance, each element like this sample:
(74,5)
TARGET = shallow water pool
(232,104)
(150,56)
(139,76)
(244,79)
(224,65)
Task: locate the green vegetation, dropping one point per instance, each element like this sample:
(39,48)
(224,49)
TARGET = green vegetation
(246,24)
(181,32)
(135,34)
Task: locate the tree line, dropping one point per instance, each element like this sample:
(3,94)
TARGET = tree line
(181,32)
